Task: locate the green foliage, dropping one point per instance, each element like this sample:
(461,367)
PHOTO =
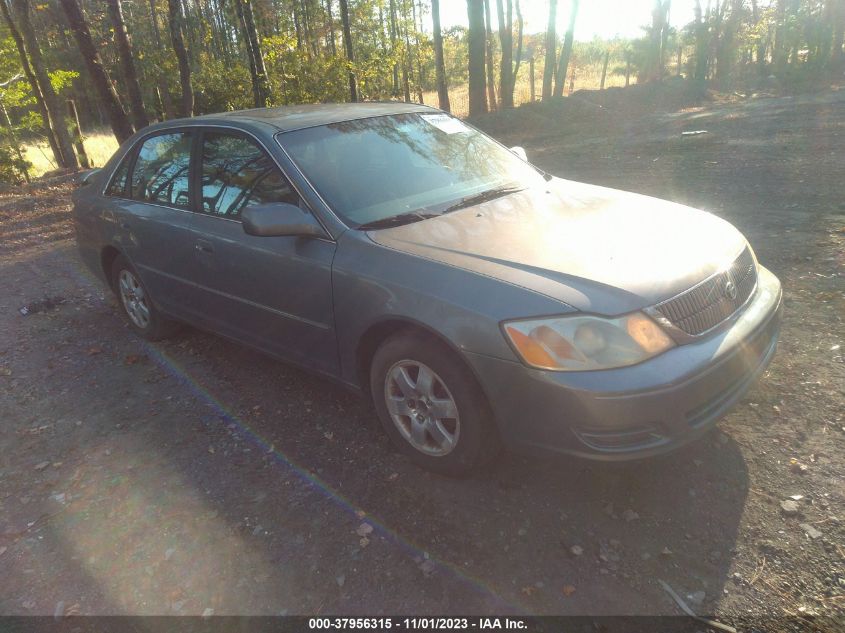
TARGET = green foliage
(219,87)
(62,79)
(12,167)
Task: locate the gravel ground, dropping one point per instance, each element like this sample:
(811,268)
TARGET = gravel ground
(195,474)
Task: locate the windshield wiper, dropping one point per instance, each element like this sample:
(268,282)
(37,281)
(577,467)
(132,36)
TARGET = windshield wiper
(484,196)
(396,220)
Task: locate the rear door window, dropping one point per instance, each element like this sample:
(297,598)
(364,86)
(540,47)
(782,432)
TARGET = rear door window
(162,170)
(237,173)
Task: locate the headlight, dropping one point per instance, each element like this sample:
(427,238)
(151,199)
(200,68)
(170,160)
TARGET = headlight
(577,343)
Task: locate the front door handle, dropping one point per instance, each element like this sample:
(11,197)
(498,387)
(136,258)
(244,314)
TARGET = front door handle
(204,246)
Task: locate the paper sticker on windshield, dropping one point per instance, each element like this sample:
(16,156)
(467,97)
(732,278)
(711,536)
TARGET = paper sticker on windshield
(445,123)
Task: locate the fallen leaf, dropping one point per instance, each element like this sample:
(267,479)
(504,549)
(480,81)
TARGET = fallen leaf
(568,590)
(93,351)
(364,529)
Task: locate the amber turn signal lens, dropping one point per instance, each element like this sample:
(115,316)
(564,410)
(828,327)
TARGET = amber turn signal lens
(647,333)
(530,350)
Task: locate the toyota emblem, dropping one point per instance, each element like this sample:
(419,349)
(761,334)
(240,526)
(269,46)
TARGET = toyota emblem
(730,290)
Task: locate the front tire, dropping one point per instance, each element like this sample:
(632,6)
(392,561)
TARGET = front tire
(431,406)
(136,304)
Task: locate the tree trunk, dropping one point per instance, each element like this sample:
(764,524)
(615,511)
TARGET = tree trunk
(257,69)
(566,51)
(779,49)
(330,28)
(102,84)
(837,56)
(477,96)
(551,49)
(701,44)
(51,100)
(33,84)
(13,138)
(124,49)
(488,58)
(78,139)
(653,70)
(531,85)
(174,18)
(520,27)
(350,54)
(761,44)
(250,57)
(408,60)
(607,60)
(439,63)
(417,31)
(394,38)
(506,42)
(255,45)
(154,23)
(406,52)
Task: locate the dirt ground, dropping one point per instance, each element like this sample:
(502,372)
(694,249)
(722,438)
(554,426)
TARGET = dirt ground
(196,475)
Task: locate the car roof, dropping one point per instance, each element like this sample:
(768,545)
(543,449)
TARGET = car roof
(296,117)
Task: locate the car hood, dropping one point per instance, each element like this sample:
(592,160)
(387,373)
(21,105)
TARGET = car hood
(592,248)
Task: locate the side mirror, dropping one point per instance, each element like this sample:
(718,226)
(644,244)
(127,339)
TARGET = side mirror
(520,151)
(279,219)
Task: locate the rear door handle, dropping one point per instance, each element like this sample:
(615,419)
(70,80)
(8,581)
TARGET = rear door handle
(204,246)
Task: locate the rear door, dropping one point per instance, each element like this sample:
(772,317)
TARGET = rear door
(152,212)
(271,292)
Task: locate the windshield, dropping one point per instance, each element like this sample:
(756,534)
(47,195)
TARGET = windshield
(369,170)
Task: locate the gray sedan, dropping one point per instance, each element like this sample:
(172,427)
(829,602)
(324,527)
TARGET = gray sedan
(479,302)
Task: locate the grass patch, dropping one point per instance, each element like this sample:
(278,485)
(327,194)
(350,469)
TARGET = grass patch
(99,145)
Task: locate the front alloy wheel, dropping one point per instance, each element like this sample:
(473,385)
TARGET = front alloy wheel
(430,404)
(422,408)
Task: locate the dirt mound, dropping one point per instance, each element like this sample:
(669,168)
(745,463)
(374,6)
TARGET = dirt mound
(593,111)
(672,94)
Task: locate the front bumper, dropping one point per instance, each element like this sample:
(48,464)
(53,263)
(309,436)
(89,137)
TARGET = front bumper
(641,410)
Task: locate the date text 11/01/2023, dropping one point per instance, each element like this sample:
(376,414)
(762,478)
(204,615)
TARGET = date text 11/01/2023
(417,624)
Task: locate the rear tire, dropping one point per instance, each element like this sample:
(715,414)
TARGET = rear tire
(136,304)
(431,406)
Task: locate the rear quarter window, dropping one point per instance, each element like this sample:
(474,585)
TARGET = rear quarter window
(117,185)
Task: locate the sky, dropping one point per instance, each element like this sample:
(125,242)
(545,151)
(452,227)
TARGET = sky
(603,18)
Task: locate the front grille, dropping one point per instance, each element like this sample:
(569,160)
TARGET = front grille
(708,304)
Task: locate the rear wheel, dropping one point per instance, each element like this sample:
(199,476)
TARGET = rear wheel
(136,303)
(431,406)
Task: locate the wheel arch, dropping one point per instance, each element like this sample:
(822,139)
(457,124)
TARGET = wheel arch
(378,332)
(108,254)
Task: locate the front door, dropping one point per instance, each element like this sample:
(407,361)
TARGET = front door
(271,292)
